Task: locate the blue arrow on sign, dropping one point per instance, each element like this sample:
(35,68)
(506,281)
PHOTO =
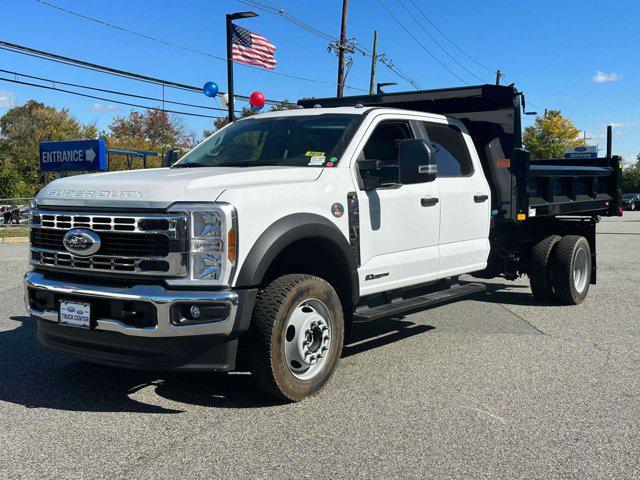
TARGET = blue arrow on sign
(76,156)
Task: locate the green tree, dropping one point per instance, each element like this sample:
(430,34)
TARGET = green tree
(22,129)
(631,177)
(152,130)
(550,136)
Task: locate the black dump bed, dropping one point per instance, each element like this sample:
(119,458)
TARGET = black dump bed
(521,186)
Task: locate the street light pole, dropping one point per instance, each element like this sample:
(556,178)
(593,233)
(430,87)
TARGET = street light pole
(230,17)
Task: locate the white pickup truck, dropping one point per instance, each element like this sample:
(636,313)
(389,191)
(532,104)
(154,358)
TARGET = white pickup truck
(260,246)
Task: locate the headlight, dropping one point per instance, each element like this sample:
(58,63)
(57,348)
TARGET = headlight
(212,243)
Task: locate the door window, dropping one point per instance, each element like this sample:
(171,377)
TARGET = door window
(450,149)
(384,144)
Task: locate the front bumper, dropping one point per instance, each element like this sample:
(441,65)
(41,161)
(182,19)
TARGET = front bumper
(163,345)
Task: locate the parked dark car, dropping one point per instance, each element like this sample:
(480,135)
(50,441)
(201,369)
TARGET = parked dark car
(11,214)
(631,201)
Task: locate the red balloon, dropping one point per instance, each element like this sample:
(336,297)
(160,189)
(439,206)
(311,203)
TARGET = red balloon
(257,99)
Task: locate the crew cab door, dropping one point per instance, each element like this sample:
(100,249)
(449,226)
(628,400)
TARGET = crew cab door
(464,200)
(399,224)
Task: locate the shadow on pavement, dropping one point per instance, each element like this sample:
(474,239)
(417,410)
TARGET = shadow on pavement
(503,293)
(35,378)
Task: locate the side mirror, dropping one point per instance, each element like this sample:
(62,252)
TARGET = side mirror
(171,157)
(416,162)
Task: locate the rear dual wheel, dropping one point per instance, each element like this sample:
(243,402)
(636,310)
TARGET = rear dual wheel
(561,269)
(572,269)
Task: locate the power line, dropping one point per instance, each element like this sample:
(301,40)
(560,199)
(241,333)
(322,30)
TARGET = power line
(438,43)
(20,82)
(291,18)
(492,70)
(43,55)
(419,43)
(115,92)
(384,59)
(182,47)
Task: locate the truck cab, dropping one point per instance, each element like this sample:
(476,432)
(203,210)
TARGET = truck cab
(260,246)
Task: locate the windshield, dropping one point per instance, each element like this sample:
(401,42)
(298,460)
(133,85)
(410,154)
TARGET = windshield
(296,140)
(629,196)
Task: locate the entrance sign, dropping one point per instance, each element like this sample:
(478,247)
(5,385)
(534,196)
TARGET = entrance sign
(81,155)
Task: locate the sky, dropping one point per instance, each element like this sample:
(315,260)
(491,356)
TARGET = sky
(579,56)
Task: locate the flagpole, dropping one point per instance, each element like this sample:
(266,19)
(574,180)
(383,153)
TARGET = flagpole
(230,68)
(230,17)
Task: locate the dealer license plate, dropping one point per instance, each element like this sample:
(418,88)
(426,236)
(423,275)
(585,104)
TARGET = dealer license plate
(74,314)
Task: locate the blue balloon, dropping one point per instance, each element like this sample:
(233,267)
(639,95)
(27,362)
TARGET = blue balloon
(210,89)
(256,108)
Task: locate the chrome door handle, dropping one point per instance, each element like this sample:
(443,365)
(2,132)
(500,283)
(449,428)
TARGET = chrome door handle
(480,198)
(428,201)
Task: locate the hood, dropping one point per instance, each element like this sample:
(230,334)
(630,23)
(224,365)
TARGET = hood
(160,187)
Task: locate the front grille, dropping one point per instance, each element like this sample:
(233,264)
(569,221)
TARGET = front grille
(104,222)
(152,244)
(98,262)
(112,243)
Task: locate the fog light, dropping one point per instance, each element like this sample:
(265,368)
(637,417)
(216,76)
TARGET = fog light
(195,312)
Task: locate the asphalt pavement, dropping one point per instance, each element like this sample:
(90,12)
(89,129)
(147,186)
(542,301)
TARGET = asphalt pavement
(495,386)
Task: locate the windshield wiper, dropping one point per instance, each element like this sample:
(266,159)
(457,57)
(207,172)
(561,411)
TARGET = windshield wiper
(250,164)
(234,164)
(190,165)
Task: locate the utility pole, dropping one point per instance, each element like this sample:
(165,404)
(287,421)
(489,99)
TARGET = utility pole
(342,47)
(374,59)
(499,75)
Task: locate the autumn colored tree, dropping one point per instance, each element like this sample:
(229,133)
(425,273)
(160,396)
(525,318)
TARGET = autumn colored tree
(151,130)
(22,128)
(550,136)
(248,112)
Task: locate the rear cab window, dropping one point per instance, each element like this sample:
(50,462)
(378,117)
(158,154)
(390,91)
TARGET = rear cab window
(450,149)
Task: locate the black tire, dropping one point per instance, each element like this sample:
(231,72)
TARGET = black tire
(570,250)
(268,333)
(540,272)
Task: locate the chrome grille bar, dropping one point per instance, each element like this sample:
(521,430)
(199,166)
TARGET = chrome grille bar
(173,265)
(172,225)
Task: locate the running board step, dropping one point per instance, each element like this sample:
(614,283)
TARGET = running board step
(419,302)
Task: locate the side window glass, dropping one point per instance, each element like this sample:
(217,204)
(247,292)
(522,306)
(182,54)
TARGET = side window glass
(384,144)
(450,150)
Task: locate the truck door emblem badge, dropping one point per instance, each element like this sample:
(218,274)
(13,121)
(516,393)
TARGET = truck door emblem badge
(375,276)
(337,209)
(82,242)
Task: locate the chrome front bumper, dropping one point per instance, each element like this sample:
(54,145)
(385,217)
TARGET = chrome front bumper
(156,295)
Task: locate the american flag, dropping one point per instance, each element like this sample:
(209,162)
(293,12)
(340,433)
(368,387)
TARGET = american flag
(251,48)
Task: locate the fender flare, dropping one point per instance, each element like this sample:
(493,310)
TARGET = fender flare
(284,232)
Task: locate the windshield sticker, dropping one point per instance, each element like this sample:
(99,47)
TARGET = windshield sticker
(317,160)
(314,154)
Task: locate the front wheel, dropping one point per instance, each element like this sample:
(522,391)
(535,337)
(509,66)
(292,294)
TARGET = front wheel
(296,336)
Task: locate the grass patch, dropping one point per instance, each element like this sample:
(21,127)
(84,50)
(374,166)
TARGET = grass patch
(14,232)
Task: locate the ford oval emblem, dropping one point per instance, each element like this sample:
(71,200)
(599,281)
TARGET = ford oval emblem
(82,242)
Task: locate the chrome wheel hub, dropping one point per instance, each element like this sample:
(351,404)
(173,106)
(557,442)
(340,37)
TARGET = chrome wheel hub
(580,270)
(308,339)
